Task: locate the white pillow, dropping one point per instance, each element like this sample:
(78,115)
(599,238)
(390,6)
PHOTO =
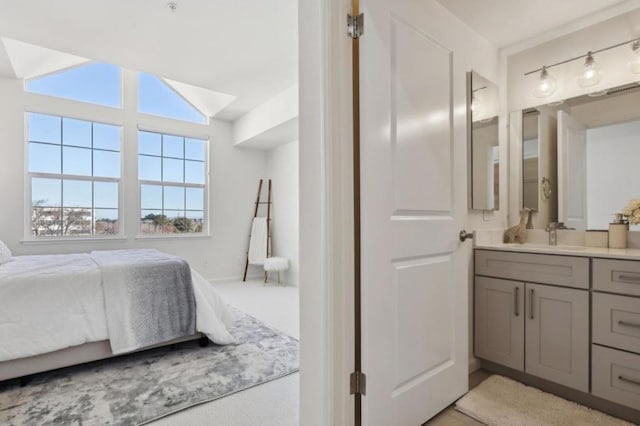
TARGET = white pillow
(5,253)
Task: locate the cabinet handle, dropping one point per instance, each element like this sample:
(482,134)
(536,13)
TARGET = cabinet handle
(634,278)
(629,324)
(628,380)
(531,303)
(515,301)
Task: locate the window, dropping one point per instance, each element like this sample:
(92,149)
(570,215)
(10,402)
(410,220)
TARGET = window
(95,82)
(172,174)
(74,170)
(157,98)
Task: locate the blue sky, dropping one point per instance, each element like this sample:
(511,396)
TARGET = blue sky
(95,82)
(100,83)
(53,139)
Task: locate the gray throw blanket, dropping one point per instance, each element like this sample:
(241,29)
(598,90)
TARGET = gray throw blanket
(148,297)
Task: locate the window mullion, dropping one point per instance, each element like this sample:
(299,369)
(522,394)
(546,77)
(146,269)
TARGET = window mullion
(162,177)
(184,176)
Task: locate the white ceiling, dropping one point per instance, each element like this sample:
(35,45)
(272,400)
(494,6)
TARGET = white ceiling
(505,22)
(245,48)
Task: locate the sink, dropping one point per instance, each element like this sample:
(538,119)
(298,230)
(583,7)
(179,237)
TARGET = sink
(545,247)
(569,248)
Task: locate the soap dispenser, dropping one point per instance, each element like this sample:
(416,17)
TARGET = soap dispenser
(618,232)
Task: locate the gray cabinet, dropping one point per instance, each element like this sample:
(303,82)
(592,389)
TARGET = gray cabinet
(557,335)
(566,271)
(499,321)
(541,329)
(615,369)
(616,376)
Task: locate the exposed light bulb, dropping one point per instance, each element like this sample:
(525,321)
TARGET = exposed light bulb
(546,86)
(634,63)
(591,73)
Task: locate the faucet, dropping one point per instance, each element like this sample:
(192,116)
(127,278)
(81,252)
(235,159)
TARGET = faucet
(552,229)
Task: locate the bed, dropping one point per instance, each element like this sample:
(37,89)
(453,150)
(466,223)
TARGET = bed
(62,310)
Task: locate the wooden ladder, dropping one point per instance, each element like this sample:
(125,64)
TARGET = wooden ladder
(255,214)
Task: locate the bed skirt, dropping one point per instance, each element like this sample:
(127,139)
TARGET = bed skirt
(67,357)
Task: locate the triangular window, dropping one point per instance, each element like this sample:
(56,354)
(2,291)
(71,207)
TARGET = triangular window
(94,82)
(157,98)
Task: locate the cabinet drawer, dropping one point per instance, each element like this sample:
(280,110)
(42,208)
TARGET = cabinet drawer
(616,321)
(616,376)
(617,276)
(539,268)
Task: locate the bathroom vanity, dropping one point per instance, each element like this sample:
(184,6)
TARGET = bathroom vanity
(566,319)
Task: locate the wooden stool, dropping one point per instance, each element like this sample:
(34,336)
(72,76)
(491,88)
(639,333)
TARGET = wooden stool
(275,264)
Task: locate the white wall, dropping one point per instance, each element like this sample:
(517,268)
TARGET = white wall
(277,110)
(233,182)
(282,169)
(612,156)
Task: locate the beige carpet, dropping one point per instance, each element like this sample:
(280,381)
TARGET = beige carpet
(499,401)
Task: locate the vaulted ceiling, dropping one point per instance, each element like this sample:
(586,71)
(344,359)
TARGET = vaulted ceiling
(244,48)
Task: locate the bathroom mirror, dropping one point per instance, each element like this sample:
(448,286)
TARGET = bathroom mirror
(530,159)
(483,147)
(539,166)
(588,148)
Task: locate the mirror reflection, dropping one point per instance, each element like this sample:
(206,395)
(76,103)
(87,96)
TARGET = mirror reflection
(483,143)
(596,153)
(539,166)
(530,157)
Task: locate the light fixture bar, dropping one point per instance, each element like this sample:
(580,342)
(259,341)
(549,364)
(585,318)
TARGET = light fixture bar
(593,52)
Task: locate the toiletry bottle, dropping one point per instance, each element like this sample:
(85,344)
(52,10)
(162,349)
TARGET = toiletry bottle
(618,232)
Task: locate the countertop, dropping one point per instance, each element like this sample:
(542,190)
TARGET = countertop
(570,243)
(565,250)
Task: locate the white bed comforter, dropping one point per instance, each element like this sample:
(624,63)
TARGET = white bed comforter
(52,302)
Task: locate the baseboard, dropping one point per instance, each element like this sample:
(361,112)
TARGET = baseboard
(234,278)
(474,364)
(285,283)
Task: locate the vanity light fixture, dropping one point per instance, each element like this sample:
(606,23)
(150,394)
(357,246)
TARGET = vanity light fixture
(591,74)
(634,63)
(546,86)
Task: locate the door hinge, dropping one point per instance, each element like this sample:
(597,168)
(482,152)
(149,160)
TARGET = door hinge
(358,383)
(355,25)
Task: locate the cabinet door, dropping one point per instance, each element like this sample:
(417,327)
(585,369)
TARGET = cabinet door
(499,321)
(557,335)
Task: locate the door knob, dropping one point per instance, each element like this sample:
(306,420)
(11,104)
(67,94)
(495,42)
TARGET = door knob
(464,235)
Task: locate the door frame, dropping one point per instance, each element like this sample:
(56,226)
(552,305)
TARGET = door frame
(326,213)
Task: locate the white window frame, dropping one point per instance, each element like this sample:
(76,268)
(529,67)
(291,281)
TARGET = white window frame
(205,233)
(28,226)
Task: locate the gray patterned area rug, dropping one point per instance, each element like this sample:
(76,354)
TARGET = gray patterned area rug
(138,388)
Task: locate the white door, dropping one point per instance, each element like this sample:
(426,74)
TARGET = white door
(413,168)
(572,168)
